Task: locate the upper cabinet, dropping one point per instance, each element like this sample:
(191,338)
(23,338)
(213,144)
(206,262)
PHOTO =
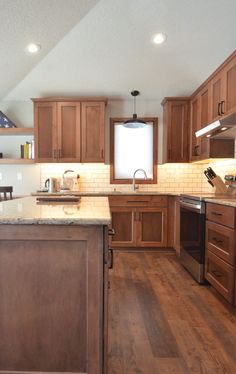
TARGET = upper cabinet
(176,129)
(224,90)
(92,126)
(69,130)
(215,98)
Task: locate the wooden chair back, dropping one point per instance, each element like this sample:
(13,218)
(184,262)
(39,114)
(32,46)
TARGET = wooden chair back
(6,191)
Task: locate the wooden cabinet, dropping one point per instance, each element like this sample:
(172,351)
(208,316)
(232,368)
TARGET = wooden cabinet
(176,129)
(220,275)
(139,221)
(224,90)
(195,150)
(53,298)
(221,251)
(214,99)
(200,115)
(204,117)
(93,117)
(69,131)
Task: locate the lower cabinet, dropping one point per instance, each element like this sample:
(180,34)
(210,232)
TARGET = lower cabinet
(221,275)
(220,249)
(140,222)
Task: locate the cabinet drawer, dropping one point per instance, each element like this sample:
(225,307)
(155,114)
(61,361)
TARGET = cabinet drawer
(220,275)
(138,201)
(222,214)
(221,241)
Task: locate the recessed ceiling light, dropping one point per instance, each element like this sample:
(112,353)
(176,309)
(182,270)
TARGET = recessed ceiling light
(208,136)
(159,38)
(223,128)
(33,47)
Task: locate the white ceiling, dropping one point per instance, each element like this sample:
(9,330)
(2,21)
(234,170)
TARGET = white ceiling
(27,21)
(109,50)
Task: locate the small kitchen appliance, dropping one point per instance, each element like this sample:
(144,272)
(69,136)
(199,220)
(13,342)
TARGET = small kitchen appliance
(70,181)
(51,184)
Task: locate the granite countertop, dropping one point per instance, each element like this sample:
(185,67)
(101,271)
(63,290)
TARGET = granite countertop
(87,211)
(103,193)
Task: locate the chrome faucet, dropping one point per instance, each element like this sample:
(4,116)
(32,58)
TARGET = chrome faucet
(145,176)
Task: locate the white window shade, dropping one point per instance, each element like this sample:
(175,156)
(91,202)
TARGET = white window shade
(133,149)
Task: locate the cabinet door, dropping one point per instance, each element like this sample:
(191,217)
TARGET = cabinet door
(217,84)
(93,123)
(195,126)
(178,129)
(123,222)
(152,227)
(205,117)
(229,105)
(45,131)
(68,124)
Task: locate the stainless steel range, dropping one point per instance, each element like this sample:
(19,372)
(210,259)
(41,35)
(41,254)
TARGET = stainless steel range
(192,234)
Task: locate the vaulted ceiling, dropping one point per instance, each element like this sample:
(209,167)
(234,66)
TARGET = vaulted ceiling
(104,47)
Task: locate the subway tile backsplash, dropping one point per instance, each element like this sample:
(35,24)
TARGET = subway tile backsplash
(171,177)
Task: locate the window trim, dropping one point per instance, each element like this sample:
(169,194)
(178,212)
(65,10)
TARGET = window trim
(113,121)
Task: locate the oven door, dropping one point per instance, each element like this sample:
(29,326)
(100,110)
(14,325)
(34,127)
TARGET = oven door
(192,238)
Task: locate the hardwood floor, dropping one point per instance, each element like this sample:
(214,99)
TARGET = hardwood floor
(162,321)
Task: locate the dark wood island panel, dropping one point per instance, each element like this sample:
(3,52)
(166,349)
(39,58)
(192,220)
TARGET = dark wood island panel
(52,298)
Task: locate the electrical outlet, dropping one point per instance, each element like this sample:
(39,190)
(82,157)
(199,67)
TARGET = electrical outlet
(19,176)
(0,176)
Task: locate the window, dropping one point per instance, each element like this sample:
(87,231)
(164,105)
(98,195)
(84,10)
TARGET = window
(132,149)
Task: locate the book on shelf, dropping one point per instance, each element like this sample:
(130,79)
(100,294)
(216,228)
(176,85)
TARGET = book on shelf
(27,150)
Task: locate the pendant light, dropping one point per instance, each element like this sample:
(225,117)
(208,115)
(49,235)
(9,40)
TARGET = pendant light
(135,122)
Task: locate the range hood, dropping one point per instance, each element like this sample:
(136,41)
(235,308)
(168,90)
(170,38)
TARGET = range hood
(224,128)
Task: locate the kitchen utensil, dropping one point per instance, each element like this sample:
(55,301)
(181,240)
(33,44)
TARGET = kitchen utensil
(51,184)
(211,172)
(208,178)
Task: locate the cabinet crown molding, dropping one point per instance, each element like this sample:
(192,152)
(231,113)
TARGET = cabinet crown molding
(71,98)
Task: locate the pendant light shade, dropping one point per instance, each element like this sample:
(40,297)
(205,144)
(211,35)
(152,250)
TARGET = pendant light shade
(135,122)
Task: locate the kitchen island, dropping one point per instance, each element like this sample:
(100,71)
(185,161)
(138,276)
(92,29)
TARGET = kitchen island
(53,284)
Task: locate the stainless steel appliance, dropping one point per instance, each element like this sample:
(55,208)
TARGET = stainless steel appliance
(192,235)
(51,184)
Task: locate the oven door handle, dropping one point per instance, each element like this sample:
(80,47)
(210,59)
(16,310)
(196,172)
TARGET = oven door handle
(189,206)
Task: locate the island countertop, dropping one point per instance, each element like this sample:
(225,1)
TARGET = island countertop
(87,211)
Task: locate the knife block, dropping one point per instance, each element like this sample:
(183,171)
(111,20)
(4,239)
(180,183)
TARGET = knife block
(219,185)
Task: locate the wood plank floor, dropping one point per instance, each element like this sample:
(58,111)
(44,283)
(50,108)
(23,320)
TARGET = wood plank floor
(162,321)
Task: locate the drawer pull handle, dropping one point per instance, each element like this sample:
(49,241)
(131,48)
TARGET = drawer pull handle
(217,273)
(218,240)
(217,214)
